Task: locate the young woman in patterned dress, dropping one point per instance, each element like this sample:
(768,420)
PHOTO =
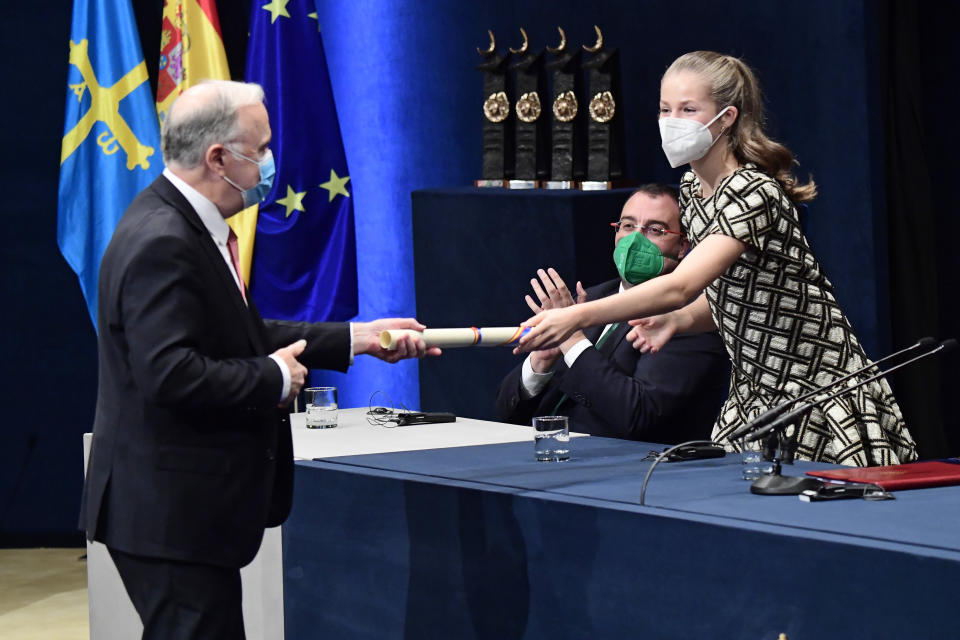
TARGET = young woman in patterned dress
(751,275)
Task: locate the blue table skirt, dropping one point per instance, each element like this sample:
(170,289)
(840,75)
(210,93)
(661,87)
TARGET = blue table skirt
(482,542)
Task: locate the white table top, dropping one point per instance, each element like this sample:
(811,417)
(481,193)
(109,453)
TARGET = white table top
(355,436)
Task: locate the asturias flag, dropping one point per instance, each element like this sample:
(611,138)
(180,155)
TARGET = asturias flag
(111,142)
(305,258)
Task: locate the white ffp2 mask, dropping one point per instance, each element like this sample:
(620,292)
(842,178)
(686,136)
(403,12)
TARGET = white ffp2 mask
(685,140)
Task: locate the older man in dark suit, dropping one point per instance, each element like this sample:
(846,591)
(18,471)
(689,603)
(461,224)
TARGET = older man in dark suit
(605,386)
(192,453)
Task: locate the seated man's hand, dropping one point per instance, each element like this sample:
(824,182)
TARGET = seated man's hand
(553,294)
(366,340)
(542,361)
(574,338)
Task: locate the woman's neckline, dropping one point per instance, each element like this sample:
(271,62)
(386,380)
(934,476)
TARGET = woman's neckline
(698,191)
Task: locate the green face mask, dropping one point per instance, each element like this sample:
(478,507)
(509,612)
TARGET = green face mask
(638,259)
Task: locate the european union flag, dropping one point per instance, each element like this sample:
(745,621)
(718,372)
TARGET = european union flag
(305,255)
(111,139)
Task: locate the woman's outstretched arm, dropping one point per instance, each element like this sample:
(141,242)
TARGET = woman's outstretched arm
(662,294)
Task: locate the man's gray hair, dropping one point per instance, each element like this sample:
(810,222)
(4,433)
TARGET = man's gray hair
(207,117)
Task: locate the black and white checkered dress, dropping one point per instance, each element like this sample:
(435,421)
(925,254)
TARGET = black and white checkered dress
(783,329)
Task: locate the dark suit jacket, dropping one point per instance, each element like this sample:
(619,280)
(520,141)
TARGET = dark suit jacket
(669,397)
(191,457)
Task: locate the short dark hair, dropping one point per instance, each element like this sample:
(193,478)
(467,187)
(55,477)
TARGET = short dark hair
(656,189)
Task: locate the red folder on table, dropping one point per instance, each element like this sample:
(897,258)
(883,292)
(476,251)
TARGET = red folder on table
(916,475)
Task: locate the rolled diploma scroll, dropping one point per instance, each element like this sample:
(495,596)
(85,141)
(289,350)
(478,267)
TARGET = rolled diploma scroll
(467,337)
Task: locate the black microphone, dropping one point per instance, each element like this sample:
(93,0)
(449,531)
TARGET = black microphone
(787,419)
(770,415)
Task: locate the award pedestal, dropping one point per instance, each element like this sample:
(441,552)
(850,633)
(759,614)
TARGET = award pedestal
(491,183)
(561,184)
(604,185)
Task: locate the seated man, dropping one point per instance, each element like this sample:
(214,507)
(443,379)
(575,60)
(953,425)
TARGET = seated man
(596,377)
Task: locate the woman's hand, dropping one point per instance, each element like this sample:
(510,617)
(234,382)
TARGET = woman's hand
(650,334)
(548,329)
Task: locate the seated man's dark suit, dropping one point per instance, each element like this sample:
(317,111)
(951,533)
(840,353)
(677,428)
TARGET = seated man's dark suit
(191,457)
(616,391)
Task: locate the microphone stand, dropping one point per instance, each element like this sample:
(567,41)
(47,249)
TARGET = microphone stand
(776,484)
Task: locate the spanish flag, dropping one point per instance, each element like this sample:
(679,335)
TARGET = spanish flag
(191,50)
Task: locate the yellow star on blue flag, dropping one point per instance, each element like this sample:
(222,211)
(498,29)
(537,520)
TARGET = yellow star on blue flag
(277,8)
(336,185)
(293,201)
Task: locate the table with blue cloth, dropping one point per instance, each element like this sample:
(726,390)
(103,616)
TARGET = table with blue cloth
(483,542)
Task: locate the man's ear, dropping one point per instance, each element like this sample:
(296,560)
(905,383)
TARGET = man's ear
(684,248)
(215,160)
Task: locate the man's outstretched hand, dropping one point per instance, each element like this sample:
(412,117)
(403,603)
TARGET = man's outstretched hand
(366,340)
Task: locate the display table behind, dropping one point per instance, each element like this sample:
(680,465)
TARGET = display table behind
(474,253)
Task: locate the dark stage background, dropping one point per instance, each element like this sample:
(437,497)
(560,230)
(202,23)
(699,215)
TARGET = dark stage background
(862,91)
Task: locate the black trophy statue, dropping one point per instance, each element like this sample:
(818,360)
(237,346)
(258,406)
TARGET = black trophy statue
(567,160)
(605,143)
(532,146)
(497,123)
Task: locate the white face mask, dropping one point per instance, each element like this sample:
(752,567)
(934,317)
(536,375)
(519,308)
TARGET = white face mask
(685,140)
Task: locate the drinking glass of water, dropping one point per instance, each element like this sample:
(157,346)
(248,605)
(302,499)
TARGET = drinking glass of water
(551,439)
(321,407)
(754,465)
